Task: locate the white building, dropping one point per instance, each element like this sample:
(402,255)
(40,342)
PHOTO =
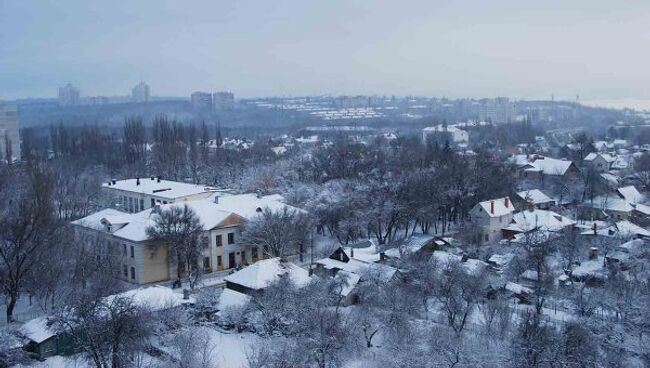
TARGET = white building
(9,133)
(223,100)
(69,95)
(441,134)
(601,162)
(141,93)
(496,110)
(202,101)
(491,216)
(135,195)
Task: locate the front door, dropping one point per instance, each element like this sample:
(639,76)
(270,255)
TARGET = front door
(231,260)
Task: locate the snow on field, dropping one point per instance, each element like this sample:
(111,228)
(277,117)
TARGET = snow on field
(232,349)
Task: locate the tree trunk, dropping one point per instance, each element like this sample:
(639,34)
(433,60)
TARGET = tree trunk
(13,298)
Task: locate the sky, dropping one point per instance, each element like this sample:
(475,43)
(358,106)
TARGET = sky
(523,49)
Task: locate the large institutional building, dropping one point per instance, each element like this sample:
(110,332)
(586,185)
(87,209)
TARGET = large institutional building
(120,236)
(69,95)
(141,93)
(9,133)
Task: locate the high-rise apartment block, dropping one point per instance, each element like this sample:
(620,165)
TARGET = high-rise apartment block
(202,100)
(141,93)
(223,100)
(68,95)
(496,110)
(9,136)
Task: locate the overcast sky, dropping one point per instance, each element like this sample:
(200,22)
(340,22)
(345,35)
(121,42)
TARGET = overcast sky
(516,48)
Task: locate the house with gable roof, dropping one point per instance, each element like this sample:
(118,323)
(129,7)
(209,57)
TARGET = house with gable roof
(491,216)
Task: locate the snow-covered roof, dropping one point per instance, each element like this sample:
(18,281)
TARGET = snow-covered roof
(38,329)
(349,279)
(411,245)
(529,275)
(621,229)
(543,164)
(525,221)
(154,298)
(365,270)
(249,205)
(631,194)
(132,226)
(605,156)
(551,166)
(163,189)
(633,246)
(517,289)
(502,206)
(611,178)
(589,269)
(93,221)
(232,299)
(472,266)
(262,273)
(535,196)
(501,260)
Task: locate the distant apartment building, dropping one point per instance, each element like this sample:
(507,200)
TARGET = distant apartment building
(496,110)
(9,135)
(69,95)
(223,100)
(442,134)
(201,100)
(347,102)
(141,93)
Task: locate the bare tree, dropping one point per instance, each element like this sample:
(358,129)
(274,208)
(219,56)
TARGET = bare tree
(192,348)
(109,331)
(180,229)
(28,227)
(277,233)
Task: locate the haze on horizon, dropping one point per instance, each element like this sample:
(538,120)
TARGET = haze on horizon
(594,48)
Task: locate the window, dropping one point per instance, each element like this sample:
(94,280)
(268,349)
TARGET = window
(219,240)
(132,251)
(219,262)
(125,271)
(142,205)
(130,204)
(487,237)
(133,273)
(124,250)
(254,252)
(231,238)
(206,263)
(164,202)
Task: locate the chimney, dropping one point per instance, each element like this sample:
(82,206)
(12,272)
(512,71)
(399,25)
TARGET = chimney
(137,181)
(109,183)
(159,179)
(216,198)
(114,181)
(593,253)
(507,201)
(382,256)
(152,178)
(351,252)
(258,193)
(492,207)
